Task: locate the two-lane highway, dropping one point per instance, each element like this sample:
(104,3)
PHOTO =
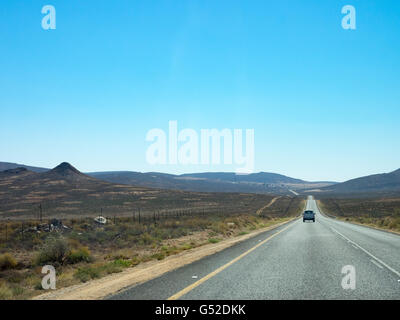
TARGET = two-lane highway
(295,261)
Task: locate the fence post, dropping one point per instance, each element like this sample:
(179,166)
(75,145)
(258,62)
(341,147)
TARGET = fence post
(40,212)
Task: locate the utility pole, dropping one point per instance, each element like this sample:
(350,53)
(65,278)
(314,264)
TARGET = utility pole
(139,215)
(40,212)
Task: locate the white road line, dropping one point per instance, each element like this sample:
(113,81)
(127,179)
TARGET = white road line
(368,253)
(376,263)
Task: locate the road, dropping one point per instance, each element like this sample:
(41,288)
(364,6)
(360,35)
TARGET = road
(295,261)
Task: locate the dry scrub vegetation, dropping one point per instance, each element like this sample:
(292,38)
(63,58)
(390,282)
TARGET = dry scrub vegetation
(376,212)
(87,250)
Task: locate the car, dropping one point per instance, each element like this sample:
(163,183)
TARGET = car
(308,215)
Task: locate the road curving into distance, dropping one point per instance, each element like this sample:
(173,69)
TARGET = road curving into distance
(294,261)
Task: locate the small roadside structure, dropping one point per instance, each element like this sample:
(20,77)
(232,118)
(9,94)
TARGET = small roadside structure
(100,220)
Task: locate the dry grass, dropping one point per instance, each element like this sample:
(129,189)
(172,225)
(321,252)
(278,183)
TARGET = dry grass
(382,213)
(87,251)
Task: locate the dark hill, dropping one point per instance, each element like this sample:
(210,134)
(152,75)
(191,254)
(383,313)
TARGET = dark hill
(66,192)
(384,182)
(10,165)
(67,172)
(16,173)
(65,169)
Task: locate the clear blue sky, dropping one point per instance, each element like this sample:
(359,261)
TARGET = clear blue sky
(324,102)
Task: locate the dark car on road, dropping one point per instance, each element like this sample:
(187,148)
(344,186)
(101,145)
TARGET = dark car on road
(308,215)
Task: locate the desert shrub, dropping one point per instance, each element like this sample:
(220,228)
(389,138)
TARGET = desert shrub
(170,250)
(394,224)
(78,255)
(219,227)
(186,246)
(122,263)
(5,292)
(74,243)
(146,239)
(158,256)
(55,249)
(86,273)
(213,240)
(110,268)
(7,261)
(17,291)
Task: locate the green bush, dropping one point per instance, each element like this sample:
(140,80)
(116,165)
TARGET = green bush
(158,256)
(55,249)
(110,268)
(79,255)
(123,263)
(86,273)
(7,261)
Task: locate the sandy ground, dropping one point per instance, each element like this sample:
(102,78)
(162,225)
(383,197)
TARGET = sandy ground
(100,288)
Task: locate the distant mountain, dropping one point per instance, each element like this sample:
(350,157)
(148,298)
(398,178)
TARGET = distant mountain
(66,172)
(64,175)
(262,182)
(385,182)
(175,182)
(66,192)
(10,165)
(261,177)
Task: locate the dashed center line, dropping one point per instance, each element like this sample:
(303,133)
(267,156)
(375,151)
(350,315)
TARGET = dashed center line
(220,269)
(368,253)
(376,263)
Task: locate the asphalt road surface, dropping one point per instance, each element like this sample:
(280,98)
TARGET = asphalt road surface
(328,259)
